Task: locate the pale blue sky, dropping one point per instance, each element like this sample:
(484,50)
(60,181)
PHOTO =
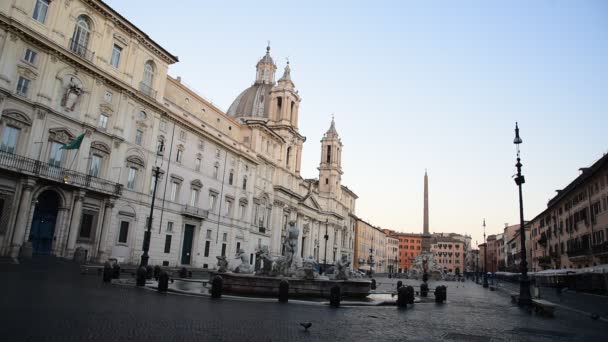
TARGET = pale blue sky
(415,85)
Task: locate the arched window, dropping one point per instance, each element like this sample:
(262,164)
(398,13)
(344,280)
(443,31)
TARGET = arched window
(148,73)
(231,177)
(288,155)
(80,39)
(245,183)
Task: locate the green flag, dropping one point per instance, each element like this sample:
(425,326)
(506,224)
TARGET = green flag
(75,144)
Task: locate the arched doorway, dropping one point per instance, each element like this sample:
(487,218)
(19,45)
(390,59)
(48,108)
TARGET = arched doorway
(43,222)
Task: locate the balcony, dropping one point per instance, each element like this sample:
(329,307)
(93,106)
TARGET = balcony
(578,253)
(31,167)
(601,249)
(195,212)
(147,90)
(81,50)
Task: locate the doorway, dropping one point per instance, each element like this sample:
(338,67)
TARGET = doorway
(187,245)
(43,222)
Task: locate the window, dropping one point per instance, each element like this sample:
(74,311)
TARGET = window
(182,135)
(208,236)
(80,39)
(201,145)
(238,247)
(139,136)
(115,60)
(223,249)
(23,85)
(10,137)
(197,164)
(55,154)
(244,183)
(103,121)
(288,155)
(152,183)
(225,237)
(231,177)
(242,209)
(107,96)
(167,243)
(179,155)
(328,154)
(86,225)
(229,204)
(207,245)
(123,234)
(194,197)
(169,227)
(174,191)
(131,178)
(216,170)
(148,74)
(212,201)
(163,125)
(40,10)
(30,56)
(95,165)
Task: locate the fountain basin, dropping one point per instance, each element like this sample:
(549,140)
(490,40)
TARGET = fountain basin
(249,284)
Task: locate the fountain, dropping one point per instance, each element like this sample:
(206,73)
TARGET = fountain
(300,273)
(424,264)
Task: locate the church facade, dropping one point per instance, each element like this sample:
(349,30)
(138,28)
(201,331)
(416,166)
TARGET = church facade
(75,71)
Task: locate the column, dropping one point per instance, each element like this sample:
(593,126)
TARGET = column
(59,231)
(105,230)
(22,217)
(75,223)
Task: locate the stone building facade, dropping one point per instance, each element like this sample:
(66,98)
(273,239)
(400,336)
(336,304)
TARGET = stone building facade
(449,254)
(228,180)
(571,232)
(370,252)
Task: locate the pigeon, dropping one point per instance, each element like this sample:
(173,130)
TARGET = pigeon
(306,325)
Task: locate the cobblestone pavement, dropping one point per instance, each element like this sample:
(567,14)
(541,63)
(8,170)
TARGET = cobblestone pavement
(48,300)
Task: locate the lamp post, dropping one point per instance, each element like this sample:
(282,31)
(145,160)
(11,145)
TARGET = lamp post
(485,256)
(148,232)
(326,237)
(524,282)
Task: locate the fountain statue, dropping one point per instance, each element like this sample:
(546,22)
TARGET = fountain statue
(342,271)
(244,267)
(266,261)
(222,264)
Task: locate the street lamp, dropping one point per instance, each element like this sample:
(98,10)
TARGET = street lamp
(326,237)
(524,281)
(485,256)
(156,171)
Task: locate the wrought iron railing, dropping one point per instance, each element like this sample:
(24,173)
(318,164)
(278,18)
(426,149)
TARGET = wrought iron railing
(147,90)
(50,172)
(601,248)
(81,50)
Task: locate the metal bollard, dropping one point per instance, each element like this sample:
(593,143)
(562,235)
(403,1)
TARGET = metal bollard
(183,272)
(424,289)
(283,291)
(399,284)
(373,287)
(217,284)
(163,281)
(409,295)
(401,297)
(116,271)
(440,294)
(156,272)
(141,276)
(107,272)
(149,272)
(334,296)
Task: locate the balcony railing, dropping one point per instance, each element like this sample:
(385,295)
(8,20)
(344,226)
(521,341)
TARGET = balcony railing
(147,90)
(81,50)
(578,252)
(195,212)
(601,248)
(47,171)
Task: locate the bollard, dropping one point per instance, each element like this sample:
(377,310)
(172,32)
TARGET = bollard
(183,272)
(334,296)
(440,294)
(116,270)
(163,281)
(149,272)
(373,287)
(156,272)
(189,274)
(399,284)
(107,272)
(409,295)
(217,284)
(401,297)
(283,291)
(141,276)
(424,289)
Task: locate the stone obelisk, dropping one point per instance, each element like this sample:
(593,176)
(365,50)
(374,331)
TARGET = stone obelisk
(426,235)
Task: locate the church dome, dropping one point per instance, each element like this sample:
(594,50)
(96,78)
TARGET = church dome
(252,102)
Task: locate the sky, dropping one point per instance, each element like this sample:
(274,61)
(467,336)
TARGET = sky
(415,85)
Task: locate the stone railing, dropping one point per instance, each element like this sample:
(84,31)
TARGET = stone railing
(81,50)
(147,90)
(195,212)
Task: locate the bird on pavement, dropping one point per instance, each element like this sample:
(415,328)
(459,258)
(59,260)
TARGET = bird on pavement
(306,325)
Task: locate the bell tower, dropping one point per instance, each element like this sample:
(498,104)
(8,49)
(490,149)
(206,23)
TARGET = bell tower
(265,69)
(330,169)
